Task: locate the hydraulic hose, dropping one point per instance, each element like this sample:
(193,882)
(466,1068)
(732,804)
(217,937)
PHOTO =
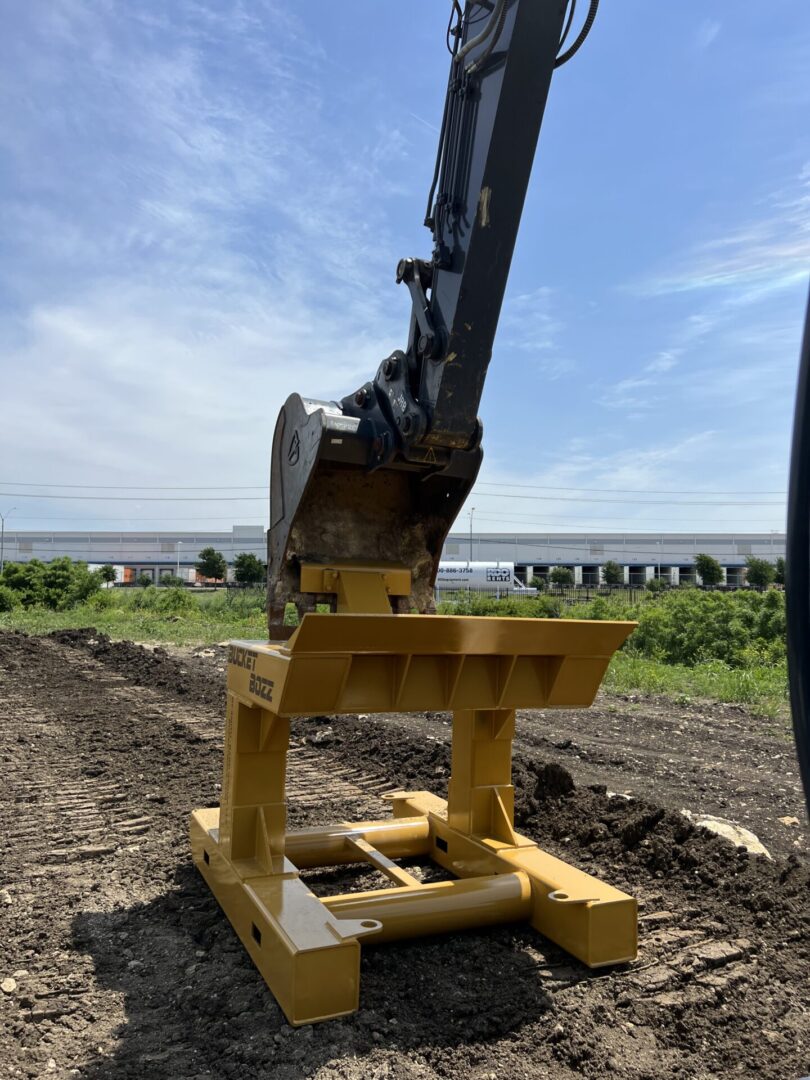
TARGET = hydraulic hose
(586,29)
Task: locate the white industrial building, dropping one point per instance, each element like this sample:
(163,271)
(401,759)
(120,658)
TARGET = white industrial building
(642,555)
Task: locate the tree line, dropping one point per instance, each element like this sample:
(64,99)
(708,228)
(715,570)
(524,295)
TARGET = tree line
(758,572)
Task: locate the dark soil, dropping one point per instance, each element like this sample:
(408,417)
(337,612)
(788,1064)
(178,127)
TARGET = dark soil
(123,966)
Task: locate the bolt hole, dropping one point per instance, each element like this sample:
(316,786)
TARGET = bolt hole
(370,924)
(206,857)
(256,933)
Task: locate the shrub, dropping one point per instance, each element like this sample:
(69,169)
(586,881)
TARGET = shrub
(102,601)
(248,569)
(169,581)
(8,598)
(144,581)
(689,627)
(759,572)
(612,573)
(57,585)
(175,601)
(562,575)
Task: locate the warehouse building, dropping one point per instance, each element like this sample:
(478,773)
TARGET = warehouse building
(643,556)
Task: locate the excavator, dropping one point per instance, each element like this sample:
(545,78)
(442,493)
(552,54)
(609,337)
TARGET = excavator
(363,492)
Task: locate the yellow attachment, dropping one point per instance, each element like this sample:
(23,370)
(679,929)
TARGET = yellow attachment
(482,669)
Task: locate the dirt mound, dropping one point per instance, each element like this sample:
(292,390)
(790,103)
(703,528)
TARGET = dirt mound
(616,833)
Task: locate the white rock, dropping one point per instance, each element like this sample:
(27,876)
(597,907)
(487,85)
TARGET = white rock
(8,986)
(730,831)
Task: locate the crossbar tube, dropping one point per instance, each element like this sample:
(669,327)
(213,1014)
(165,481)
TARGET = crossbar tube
(438,907)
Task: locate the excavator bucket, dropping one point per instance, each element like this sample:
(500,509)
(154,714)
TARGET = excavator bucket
(327,503)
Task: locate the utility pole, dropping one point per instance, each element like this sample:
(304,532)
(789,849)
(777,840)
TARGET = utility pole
(177,548)
(3,534)
(472,511)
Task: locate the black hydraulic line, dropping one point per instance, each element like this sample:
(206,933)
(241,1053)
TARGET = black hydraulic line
(454,31)
(572,7)
(797,562)
(586,29)
(440,150)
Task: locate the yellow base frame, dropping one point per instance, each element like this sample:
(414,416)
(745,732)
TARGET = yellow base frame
(482,669)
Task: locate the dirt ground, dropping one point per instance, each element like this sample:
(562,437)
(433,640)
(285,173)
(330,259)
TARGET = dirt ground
(115,960)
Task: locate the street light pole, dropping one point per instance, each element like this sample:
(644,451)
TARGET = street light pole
(177,548)
(3,535)
(472,511)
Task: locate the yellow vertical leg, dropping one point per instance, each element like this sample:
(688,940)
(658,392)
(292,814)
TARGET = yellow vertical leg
(481,798)
(253,813)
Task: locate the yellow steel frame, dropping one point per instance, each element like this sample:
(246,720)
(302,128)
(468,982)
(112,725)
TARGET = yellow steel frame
(481,669)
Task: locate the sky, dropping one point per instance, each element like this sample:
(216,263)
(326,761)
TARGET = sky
(203,202)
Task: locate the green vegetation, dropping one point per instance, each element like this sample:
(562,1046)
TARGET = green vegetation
(726,646)
(759,572)
(562,575)
(56,585)
(710,570)
(175,615)
(612,573)
(762,687)
(248,569)
(211,564)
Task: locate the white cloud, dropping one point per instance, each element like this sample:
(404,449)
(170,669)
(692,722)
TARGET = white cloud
(758,258)
(530,324)
(192,242)
(706,33)
(665,361)
(582,487)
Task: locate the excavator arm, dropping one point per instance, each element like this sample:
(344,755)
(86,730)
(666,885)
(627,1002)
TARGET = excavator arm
(380,476)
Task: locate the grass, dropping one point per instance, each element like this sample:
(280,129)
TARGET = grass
(763,688)
(208,619)
(180,617)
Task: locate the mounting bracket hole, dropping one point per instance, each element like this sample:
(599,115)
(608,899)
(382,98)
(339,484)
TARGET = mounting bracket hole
(441,844)
(255,933)
(206,857)
(370,924)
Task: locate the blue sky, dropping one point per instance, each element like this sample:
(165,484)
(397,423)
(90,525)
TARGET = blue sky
(202,205)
